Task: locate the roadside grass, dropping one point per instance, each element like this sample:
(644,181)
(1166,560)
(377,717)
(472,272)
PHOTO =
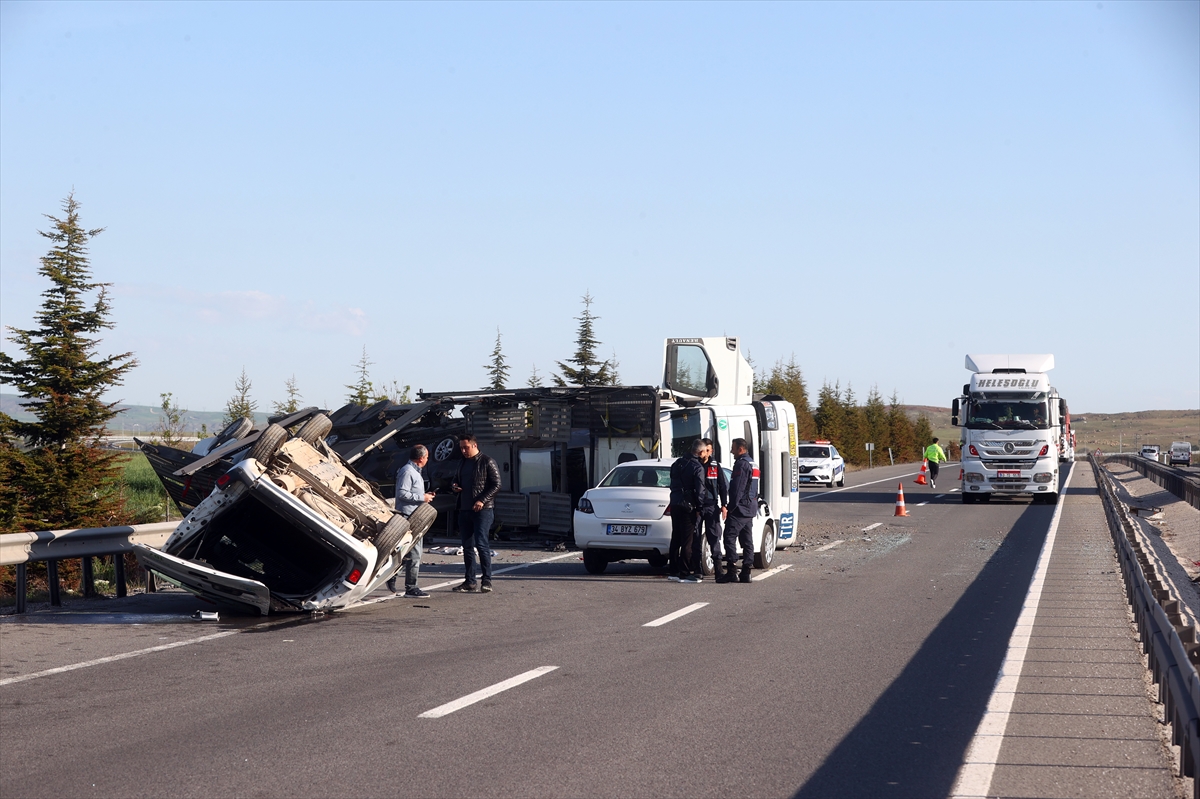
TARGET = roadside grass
(146,500)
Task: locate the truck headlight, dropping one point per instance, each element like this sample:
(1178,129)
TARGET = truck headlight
(1043,477)
(974,477)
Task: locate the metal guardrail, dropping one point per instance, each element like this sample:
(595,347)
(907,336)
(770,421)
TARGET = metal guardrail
(21,549)
(1168,642)
(1179,483)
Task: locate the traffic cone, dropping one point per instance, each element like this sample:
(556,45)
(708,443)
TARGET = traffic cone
(921,480)
(900,511)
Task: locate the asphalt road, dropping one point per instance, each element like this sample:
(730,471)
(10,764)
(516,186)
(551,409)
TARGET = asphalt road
(861,670)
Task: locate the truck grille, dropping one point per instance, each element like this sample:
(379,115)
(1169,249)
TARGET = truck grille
(1000,444)
(1007,464)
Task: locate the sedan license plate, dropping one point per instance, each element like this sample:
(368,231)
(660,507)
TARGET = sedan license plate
(628,529)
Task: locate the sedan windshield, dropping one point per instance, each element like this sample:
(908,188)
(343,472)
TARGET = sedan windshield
(1007,415)
(644,476)
(812,452)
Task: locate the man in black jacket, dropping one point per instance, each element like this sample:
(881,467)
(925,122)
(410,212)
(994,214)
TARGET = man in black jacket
(688,497)
(477,485)
(743,505)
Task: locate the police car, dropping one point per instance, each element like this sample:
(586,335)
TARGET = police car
(819,462)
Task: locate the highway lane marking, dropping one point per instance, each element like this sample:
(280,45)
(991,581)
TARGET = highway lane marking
(769,572)
(225,633)
(939,496)
(673,616)
(872,527)
(860,485)
(975,775)
(829,546)
(125,655)
(954,490)
(479,696)
(449,583)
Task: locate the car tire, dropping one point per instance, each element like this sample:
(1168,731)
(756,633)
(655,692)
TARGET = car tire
(444,450)
(389,538)
(764,558)
(268,444)
(594,561)
(842,480)
(421,519)
(707,567)
(657,560)
(315,429)
(235,430)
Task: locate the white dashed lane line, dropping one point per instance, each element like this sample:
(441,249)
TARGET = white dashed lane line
(830,545)
(769,572)
(479,696)
(872,527)
(449,583)
(659,622)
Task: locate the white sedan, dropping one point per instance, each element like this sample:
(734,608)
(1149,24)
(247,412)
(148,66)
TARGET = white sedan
(627,517)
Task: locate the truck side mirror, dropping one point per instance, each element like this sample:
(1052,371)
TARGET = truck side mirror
(954,421)
(954,408)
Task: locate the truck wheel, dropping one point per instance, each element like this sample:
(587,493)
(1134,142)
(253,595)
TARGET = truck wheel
(236,430)
(421,519)
(389,538)
(268,444)
(706,557)
(595,562)
(763,559)
(315,428)
(968,499)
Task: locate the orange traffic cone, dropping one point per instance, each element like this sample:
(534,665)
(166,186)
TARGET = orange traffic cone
(921,480)
(900,511)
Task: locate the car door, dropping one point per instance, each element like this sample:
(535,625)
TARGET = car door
(215,586)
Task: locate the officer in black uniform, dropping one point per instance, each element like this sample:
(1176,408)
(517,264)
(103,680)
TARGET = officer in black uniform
(712,516)
(743,505)
(688,496)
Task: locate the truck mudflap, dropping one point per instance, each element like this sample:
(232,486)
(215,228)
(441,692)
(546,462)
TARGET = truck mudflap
(207,583)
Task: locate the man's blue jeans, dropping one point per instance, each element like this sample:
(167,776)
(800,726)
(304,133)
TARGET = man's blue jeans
(473,526)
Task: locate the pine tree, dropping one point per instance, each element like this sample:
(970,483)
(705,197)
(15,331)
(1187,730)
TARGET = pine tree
(854,429)
(497,370)
(786,380)
(614,376)
(396,393)
(362,392)
(923,433)
(535,380)
(587,370)
(240,405)
(829,413)
(170,424)
(900,430)
(875,417)
(292,403)
(64,479)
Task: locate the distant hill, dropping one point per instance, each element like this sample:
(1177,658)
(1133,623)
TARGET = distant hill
(138,420)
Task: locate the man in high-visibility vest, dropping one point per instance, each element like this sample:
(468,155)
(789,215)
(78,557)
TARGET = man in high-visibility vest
(935,455)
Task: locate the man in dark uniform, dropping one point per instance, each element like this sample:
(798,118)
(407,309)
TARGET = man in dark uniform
(743,505)
(712,516)
(687,500)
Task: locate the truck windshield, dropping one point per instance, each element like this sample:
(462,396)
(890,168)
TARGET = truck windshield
(1007,415)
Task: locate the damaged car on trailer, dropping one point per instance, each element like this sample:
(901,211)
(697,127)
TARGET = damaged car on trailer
(290,526)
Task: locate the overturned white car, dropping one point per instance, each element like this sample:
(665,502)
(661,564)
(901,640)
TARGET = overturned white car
(289,527)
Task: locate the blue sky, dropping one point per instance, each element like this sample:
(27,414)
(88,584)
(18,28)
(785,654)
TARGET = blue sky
(876,188)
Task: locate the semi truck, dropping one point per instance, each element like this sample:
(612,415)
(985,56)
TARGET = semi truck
(1015,428)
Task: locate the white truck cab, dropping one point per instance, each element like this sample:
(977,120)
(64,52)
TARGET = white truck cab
(1015,428)
(707,393)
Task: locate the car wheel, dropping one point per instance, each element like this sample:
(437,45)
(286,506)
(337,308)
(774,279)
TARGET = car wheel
(706,557)
(389,538)
(657,560)
(421,519)
(842,480)
(237,429)
(268,444)
(315,428)
(763,559)
(445,449)
(594,561)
